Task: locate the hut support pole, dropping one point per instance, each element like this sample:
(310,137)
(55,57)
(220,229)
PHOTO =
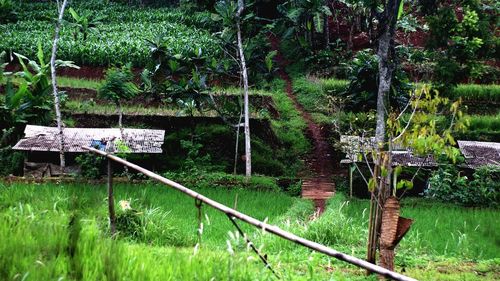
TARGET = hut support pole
(351,169)
(111,199)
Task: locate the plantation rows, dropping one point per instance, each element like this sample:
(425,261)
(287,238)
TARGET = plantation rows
(120,35)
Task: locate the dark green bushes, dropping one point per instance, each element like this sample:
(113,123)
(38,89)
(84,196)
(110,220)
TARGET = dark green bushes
(483,190)
(7,11)
(92,167)
(363,84)
(11,162)
(223,180)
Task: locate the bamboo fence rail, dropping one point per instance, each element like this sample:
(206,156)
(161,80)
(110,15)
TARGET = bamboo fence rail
(252,221)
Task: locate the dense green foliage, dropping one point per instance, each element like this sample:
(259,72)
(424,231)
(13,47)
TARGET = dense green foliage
(120,38)
(361,94)
(482,190)
(7,11)
(118,85)
(91,167)
(462,40)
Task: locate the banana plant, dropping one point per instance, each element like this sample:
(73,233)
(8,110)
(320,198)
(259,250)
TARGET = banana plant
(31,100)
(305,17)
(84,23)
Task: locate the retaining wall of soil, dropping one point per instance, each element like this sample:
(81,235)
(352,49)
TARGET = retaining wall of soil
(259,127)
(256,101)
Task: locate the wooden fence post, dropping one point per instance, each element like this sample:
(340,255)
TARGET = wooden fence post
(111,199)
(351,169)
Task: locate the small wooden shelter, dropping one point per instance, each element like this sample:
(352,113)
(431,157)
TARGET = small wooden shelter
(41,142)
(356,147)
(478,153)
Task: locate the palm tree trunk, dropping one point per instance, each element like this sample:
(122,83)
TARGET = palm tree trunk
(57,104)
(248,149)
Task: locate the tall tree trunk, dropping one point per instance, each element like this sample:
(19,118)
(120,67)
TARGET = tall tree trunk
(57,104)
(244,73)
(385,52)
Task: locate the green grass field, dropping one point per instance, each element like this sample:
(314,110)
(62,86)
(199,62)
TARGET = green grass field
(62,231)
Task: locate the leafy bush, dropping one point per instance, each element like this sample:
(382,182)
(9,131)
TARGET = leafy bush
(91,166)
(11,162)
(129,223)
(361,95)
(118,85)
(448,185)
(461,42)
(223,180)
(7,11)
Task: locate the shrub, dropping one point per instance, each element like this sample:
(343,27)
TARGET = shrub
(363,85)
(7,11)
(129,223)
(91,166)
(11,162)
(223,180)
(448,185)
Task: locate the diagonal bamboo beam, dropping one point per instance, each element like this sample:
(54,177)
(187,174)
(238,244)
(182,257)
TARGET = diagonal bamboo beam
(264,226)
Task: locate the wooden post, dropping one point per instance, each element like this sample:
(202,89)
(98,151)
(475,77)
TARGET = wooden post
(111,199)
(351,166)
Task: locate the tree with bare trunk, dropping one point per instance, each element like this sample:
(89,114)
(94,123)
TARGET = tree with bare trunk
(57,102)
(118,87)
(231,13)
(244,74)
(419,134)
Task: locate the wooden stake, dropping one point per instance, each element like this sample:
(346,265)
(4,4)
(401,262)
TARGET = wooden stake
(111,199)
(350,179)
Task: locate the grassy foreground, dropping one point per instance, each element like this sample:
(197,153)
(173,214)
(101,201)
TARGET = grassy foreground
(60,231)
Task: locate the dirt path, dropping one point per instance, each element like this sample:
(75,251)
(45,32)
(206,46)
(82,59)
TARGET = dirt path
(317,184)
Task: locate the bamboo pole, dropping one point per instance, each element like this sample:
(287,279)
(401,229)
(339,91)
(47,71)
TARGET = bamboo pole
(111,199)
(264,226)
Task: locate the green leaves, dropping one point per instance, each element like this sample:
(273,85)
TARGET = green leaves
(269,60)
(400,9)
(118,85)
(404,184)
(372,185)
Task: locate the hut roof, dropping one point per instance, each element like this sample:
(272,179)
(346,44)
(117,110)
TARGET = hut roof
(40,138)
(353,146)
(479,153)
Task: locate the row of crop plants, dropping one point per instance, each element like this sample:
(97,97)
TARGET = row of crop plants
(101,35)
